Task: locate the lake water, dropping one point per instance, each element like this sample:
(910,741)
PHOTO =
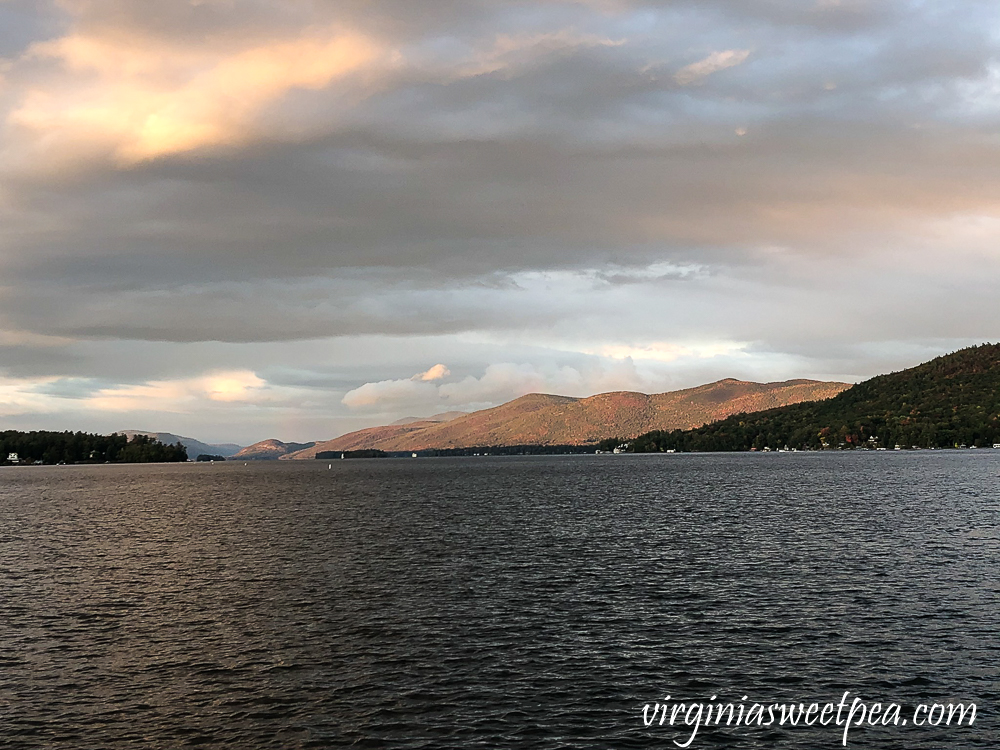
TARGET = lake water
(535,602)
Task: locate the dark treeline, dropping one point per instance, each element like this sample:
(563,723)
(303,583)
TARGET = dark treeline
(951,401)
(82,447)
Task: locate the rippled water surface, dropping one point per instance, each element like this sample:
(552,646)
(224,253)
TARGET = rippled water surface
(494,602)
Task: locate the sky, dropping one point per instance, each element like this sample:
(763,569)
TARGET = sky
(249,219)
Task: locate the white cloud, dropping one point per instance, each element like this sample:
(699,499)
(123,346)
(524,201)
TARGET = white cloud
(665,351)
(416,391)
(19,396)
(390,393)
(505,381)
(500,383)
(712,64)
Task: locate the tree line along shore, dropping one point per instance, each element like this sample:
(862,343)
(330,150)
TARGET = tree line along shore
(42,447)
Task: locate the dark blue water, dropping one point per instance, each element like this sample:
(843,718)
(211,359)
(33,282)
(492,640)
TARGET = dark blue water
(495,602)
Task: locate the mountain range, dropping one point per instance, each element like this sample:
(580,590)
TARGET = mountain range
(950,401)
(542,419)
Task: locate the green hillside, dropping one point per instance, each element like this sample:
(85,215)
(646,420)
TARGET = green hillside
(950,401)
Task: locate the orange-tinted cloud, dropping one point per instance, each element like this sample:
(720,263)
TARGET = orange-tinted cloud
(180,395)
(437,372)
(142,97)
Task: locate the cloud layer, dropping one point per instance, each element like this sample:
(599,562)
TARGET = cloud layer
(325,198)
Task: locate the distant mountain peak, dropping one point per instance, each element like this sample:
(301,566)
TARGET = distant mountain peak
(269,450)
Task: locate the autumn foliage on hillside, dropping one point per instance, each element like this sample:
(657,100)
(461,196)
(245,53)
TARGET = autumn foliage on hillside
(948,402)
(540,419)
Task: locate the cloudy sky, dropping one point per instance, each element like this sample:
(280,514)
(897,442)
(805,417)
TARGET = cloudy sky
(243,219)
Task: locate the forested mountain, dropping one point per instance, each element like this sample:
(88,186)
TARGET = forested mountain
(950,401)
